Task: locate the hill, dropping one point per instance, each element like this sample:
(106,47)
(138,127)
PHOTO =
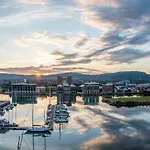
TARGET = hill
(117,76)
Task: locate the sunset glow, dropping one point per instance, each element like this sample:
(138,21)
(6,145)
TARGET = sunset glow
(98,36)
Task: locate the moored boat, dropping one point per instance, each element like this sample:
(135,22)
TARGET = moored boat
(38,129)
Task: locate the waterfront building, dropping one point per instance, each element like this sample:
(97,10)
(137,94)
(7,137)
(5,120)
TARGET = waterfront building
(23,88)
(90,88)
(66,91)
(41,89)
(90,93)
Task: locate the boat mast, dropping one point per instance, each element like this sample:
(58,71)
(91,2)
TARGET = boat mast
(33,142)
(32,114)
(60,131)
(44,117)
(44,142)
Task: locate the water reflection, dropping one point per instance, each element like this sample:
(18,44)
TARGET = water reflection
(98,127)
(24,99)
(91,99)
(34,137)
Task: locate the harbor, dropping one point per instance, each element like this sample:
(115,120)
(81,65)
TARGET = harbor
(85,121)
(26,117)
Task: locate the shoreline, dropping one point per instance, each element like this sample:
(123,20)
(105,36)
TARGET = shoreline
(125,104)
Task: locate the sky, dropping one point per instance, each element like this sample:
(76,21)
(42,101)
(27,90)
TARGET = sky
(87,36)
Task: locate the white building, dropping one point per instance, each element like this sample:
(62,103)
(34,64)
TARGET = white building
(23,88)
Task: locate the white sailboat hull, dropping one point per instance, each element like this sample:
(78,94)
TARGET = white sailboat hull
(38,130)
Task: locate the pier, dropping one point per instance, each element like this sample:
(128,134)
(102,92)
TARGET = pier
(13,128)
(50,116)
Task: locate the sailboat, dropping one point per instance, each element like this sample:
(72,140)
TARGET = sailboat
(37,129)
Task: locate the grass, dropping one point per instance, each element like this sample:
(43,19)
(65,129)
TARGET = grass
(131,99)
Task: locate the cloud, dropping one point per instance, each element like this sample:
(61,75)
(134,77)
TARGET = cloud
(126,55)
(110,3)
(112,37)
(116,20)
(43,69)
(45,37)
(35,2)
(128,14)
(81,122)
(100,51)
(26,17)
(74,62)
(67,57)
(96,143)
(41,37)
(23,42)
(113,41)
(82,41)
(57,52)
(116,132)
(140,38)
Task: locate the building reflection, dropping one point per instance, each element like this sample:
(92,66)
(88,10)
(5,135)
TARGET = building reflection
(91,100)
(90,93)
(66,91)
(24,99)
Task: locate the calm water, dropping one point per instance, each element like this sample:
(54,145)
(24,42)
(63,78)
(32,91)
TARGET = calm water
(98,127)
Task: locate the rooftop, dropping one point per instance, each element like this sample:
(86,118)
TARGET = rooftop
(23,83)
(91,83)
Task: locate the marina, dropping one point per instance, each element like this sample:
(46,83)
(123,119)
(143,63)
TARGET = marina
(77,128)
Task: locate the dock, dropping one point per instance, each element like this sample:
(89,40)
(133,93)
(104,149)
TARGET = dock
(50,116)
(14,128)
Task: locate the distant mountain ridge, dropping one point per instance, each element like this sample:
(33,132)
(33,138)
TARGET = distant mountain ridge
(117,76)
